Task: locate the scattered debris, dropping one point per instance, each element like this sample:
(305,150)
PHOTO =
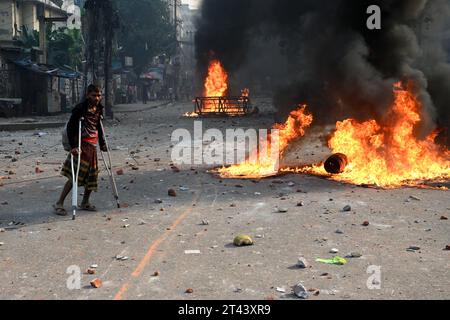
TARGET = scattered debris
(158,201)
(302,263)
(192,252)
(94,266)
(347,208)
(205,222)
(282,210)
(291,184)
(121,258)
(125,226)
(96,283)
(90,271)
(300,291)
(243,240)
(1,244)
(334,251)
(336,261)
(184,188)
(38,170)
(283,290)
(189,290)
(355,255)
(414,198)
(172,193)
(413,249)
(338,231)
(300,204)
(365,223)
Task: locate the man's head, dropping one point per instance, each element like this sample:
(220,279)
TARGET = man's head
(94,95)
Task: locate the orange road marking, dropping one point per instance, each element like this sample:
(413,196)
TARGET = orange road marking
(151,251)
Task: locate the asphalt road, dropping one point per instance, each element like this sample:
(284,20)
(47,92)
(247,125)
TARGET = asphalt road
(185,242)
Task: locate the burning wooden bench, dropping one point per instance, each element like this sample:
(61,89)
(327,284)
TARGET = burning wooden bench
(223,106)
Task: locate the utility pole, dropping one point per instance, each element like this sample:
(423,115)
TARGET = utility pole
(176,4)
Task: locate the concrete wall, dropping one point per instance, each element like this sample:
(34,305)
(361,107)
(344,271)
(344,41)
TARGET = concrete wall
(6,20)
(29,16)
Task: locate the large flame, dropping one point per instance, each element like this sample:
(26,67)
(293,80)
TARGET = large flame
(266,162)
(389,155)
(216,84)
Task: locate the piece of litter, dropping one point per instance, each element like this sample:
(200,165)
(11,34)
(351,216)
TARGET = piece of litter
(281,289)
(282,210)
(184,188)
(94,266)
(192,252)
(189,290)
(125,226)
(336,261)
(300,291)
(414,198)
(347,208)
(205,222)
(1,244)
(334,250)
(242,240)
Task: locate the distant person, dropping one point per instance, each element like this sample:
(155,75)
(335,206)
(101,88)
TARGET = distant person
(91,135)
(145,94)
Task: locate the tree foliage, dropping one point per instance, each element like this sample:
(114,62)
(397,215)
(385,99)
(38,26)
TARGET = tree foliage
(65,47)
(146,30)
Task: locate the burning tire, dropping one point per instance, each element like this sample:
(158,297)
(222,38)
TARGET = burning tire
(336,163)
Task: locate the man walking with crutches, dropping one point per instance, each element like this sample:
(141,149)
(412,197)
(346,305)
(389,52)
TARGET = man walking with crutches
(89,114)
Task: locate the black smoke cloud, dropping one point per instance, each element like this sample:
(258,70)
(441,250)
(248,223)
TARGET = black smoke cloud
(320,52)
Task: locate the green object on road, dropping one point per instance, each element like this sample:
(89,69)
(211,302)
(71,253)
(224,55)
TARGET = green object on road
(243,240)
(336,260)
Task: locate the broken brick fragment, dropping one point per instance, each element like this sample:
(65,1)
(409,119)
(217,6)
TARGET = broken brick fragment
(96,283)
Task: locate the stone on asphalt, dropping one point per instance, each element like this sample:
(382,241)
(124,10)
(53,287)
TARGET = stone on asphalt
(300,291)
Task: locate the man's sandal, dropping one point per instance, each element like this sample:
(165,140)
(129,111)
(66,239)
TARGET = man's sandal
(88,207)
(60,211)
